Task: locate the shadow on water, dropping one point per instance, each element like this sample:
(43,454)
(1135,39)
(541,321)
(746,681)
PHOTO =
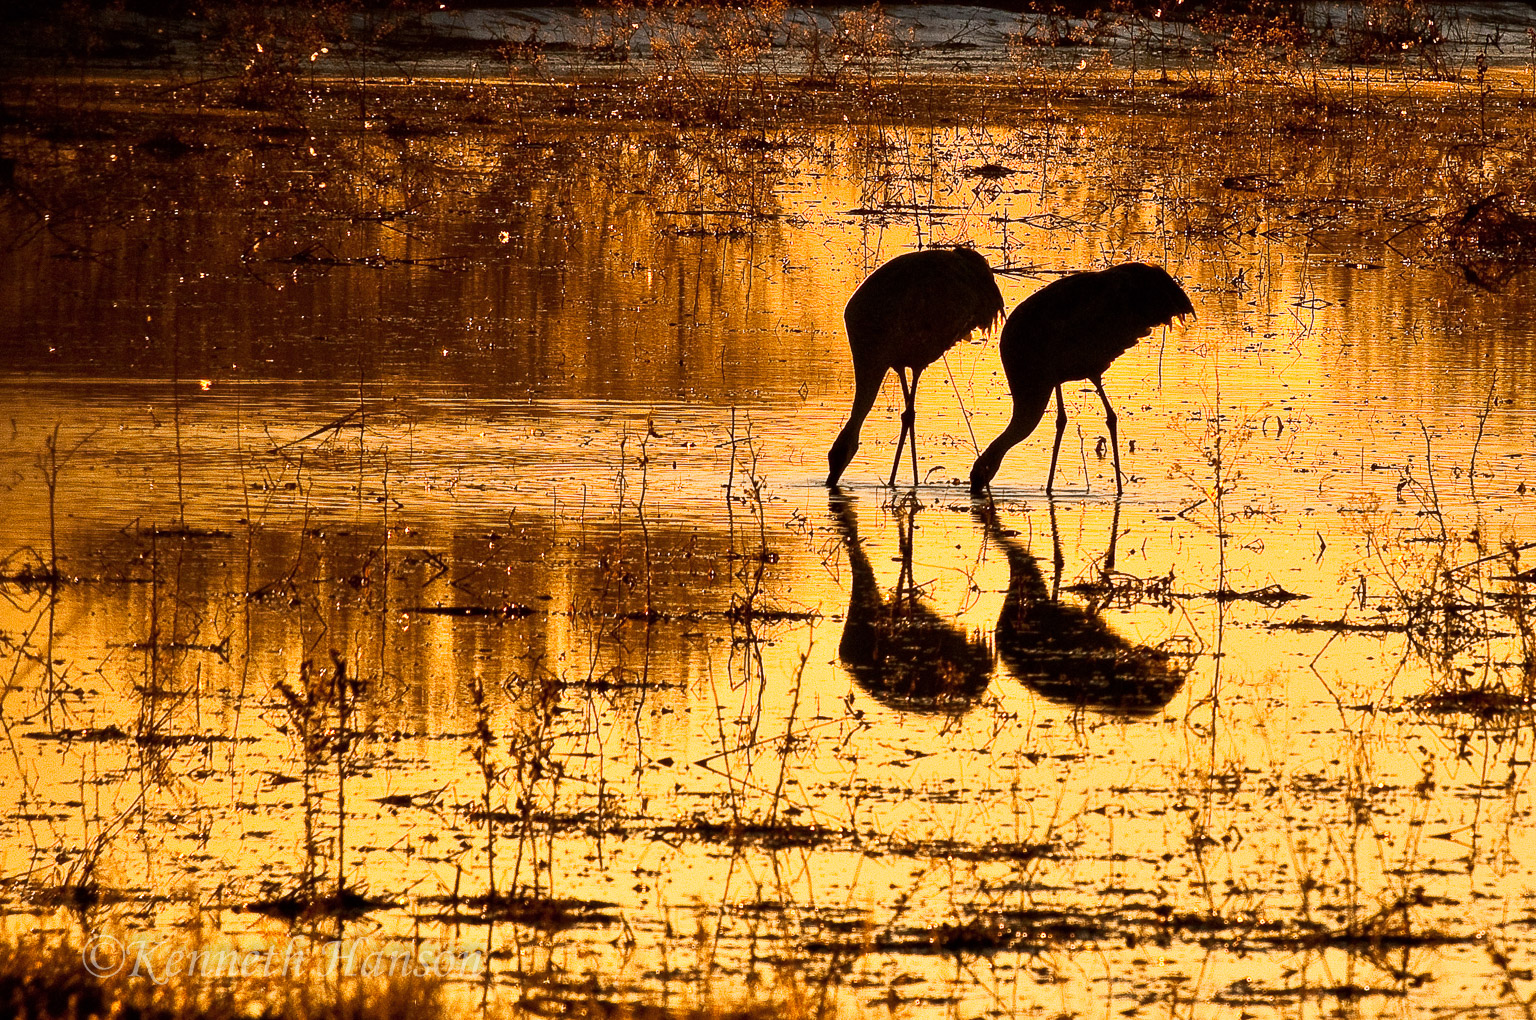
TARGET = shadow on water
(899,650)
(1067,653)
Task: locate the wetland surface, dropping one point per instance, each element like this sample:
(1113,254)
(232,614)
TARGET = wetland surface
(414,530)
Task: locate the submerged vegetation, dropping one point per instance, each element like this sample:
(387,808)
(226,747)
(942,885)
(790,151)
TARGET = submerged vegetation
(412,525)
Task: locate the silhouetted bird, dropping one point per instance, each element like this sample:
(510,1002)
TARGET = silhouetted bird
(1070,329)
(1067,653)
(901,652)
(906,315)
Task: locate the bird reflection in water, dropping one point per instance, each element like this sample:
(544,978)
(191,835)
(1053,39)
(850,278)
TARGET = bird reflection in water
(1067,653)
(898,649)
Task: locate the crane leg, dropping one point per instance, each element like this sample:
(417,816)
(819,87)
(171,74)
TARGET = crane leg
(901,442)
(908,423)
(910,417)
(1061,428)
(1112,420)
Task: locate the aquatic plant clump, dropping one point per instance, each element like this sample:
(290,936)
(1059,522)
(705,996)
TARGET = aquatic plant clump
(1492,239)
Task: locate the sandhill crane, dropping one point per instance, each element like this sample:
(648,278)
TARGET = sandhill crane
(905,316)
(1074,328)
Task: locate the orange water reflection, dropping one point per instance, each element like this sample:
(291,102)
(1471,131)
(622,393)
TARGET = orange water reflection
(577,466)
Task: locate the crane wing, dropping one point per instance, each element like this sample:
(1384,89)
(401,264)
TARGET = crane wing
(916,306)
(1076,326)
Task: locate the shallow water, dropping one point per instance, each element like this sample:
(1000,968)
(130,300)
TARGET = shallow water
(546,414)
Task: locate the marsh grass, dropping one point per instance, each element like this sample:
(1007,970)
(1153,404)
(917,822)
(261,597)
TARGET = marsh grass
(1461,597)
(787,998)
(321,712)
(82,170)
(44,979)
(1472,619)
